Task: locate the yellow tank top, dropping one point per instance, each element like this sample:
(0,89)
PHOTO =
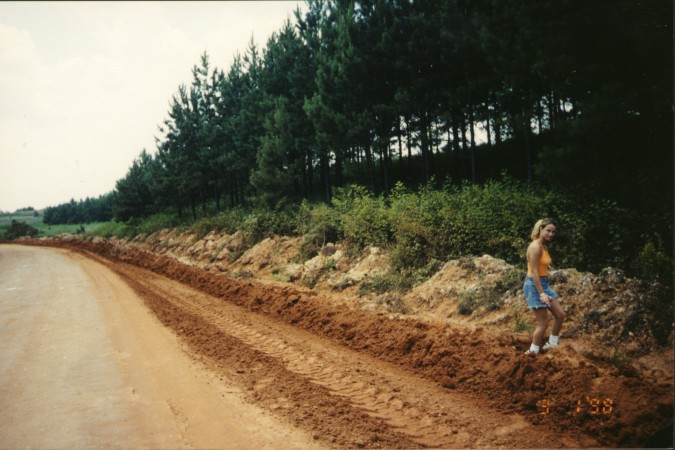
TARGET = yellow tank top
(544,262)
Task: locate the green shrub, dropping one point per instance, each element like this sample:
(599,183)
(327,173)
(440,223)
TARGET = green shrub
(433,224)
(511,281)
(318,224)
(521,323)
(399,280)
(496,218)
(261,223)
(468,303)
(112,229)
(156,222)
(487,298)
(618,358)
(20,229)
(364,218)
(653,264)
(136,227)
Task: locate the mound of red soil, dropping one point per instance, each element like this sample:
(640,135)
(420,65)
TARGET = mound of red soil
(615,407)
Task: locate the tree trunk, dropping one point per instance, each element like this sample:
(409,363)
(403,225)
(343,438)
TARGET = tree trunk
(370,164)
(310,172)
(400,143)
(487,124)
(408,146)
(462,125)
(527,131)
(339,161)
(424,135)
(473,145)
(497,125)
(324,171)
(455,131)
(385,166)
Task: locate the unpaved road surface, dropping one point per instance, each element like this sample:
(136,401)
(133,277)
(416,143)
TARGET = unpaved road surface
(84,364)
(238,360)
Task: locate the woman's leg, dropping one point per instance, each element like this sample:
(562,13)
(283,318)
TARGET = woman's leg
(558,317)
(541,314)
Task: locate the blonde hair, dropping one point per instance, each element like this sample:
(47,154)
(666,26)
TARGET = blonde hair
(540,225)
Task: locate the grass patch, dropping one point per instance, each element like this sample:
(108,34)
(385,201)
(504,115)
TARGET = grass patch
(521,324)
(53,230)
(35,220)
(281,278)
(400,280)
(487,298)
(618,359)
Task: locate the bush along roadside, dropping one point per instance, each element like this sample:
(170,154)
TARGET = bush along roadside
(425,228)
(20,229)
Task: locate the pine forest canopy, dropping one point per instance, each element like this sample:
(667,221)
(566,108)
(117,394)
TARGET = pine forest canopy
(565,93)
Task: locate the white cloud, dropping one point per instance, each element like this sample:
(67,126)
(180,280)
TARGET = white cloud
(83,86)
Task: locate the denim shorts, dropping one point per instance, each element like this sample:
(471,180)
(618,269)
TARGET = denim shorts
(532,295)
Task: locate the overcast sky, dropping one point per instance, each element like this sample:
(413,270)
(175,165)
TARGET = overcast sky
(84,85)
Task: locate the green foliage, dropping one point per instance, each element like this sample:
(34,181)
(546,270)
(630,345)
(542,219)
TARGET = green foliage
(135,227)
(653,263)
(426,227)
(486,297)
(521,323)
(20,229)
(112,229)
(618,359)
(87,211)
(310,278)
(489,296)
(228,221)
(398,280)
(381,283)
(496,218)
(364,218)
(468,303)
(157,222)
(319,224)
(134,194)
(510,281)
(262,223)
(324,106)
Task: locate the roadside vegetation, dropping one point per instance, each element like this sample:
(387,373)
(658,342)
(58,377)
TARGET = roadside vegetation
(30,222)
(490,117)
(426,227)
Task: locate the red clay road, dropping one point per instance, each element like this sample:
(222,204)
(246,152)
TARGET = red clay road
(83,363)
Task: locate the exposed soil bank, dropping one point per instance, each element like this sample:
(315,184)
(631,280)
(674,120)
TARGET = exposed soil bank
(484,362)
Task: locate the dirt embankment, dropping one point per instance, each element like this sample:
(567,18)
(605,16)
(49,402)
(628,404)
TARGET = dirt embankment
(613,402)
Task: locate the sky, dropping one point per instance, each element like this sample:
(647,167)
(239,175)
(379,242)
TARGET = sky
(84,86)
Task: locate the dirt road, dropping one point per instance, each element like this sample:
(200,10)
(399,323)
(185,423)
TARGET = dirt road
(83,364)
(290,368)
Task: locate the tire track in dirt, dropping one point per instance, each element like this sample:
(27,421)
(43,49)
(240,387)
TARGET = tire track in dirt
(367,389)
(261,375)
(378,404)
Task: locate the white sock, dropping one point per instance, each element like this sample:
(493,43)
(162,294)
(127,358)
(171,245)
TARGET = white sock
(553,340)
(534,348)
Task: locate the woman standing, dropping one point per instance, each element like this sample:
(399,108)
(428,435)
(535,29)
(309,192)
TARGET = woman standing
(540,297)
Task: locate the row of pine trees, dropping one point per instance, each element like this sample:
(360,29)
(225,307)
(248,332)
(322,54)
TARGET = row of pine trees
(564,92)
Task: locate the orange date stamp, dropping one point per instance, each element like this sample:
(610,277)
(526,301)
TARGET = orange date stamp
(594,406)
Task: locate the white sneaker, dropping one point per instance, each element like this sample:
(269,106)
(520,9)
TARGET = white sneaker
(549,346)
(531,353)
